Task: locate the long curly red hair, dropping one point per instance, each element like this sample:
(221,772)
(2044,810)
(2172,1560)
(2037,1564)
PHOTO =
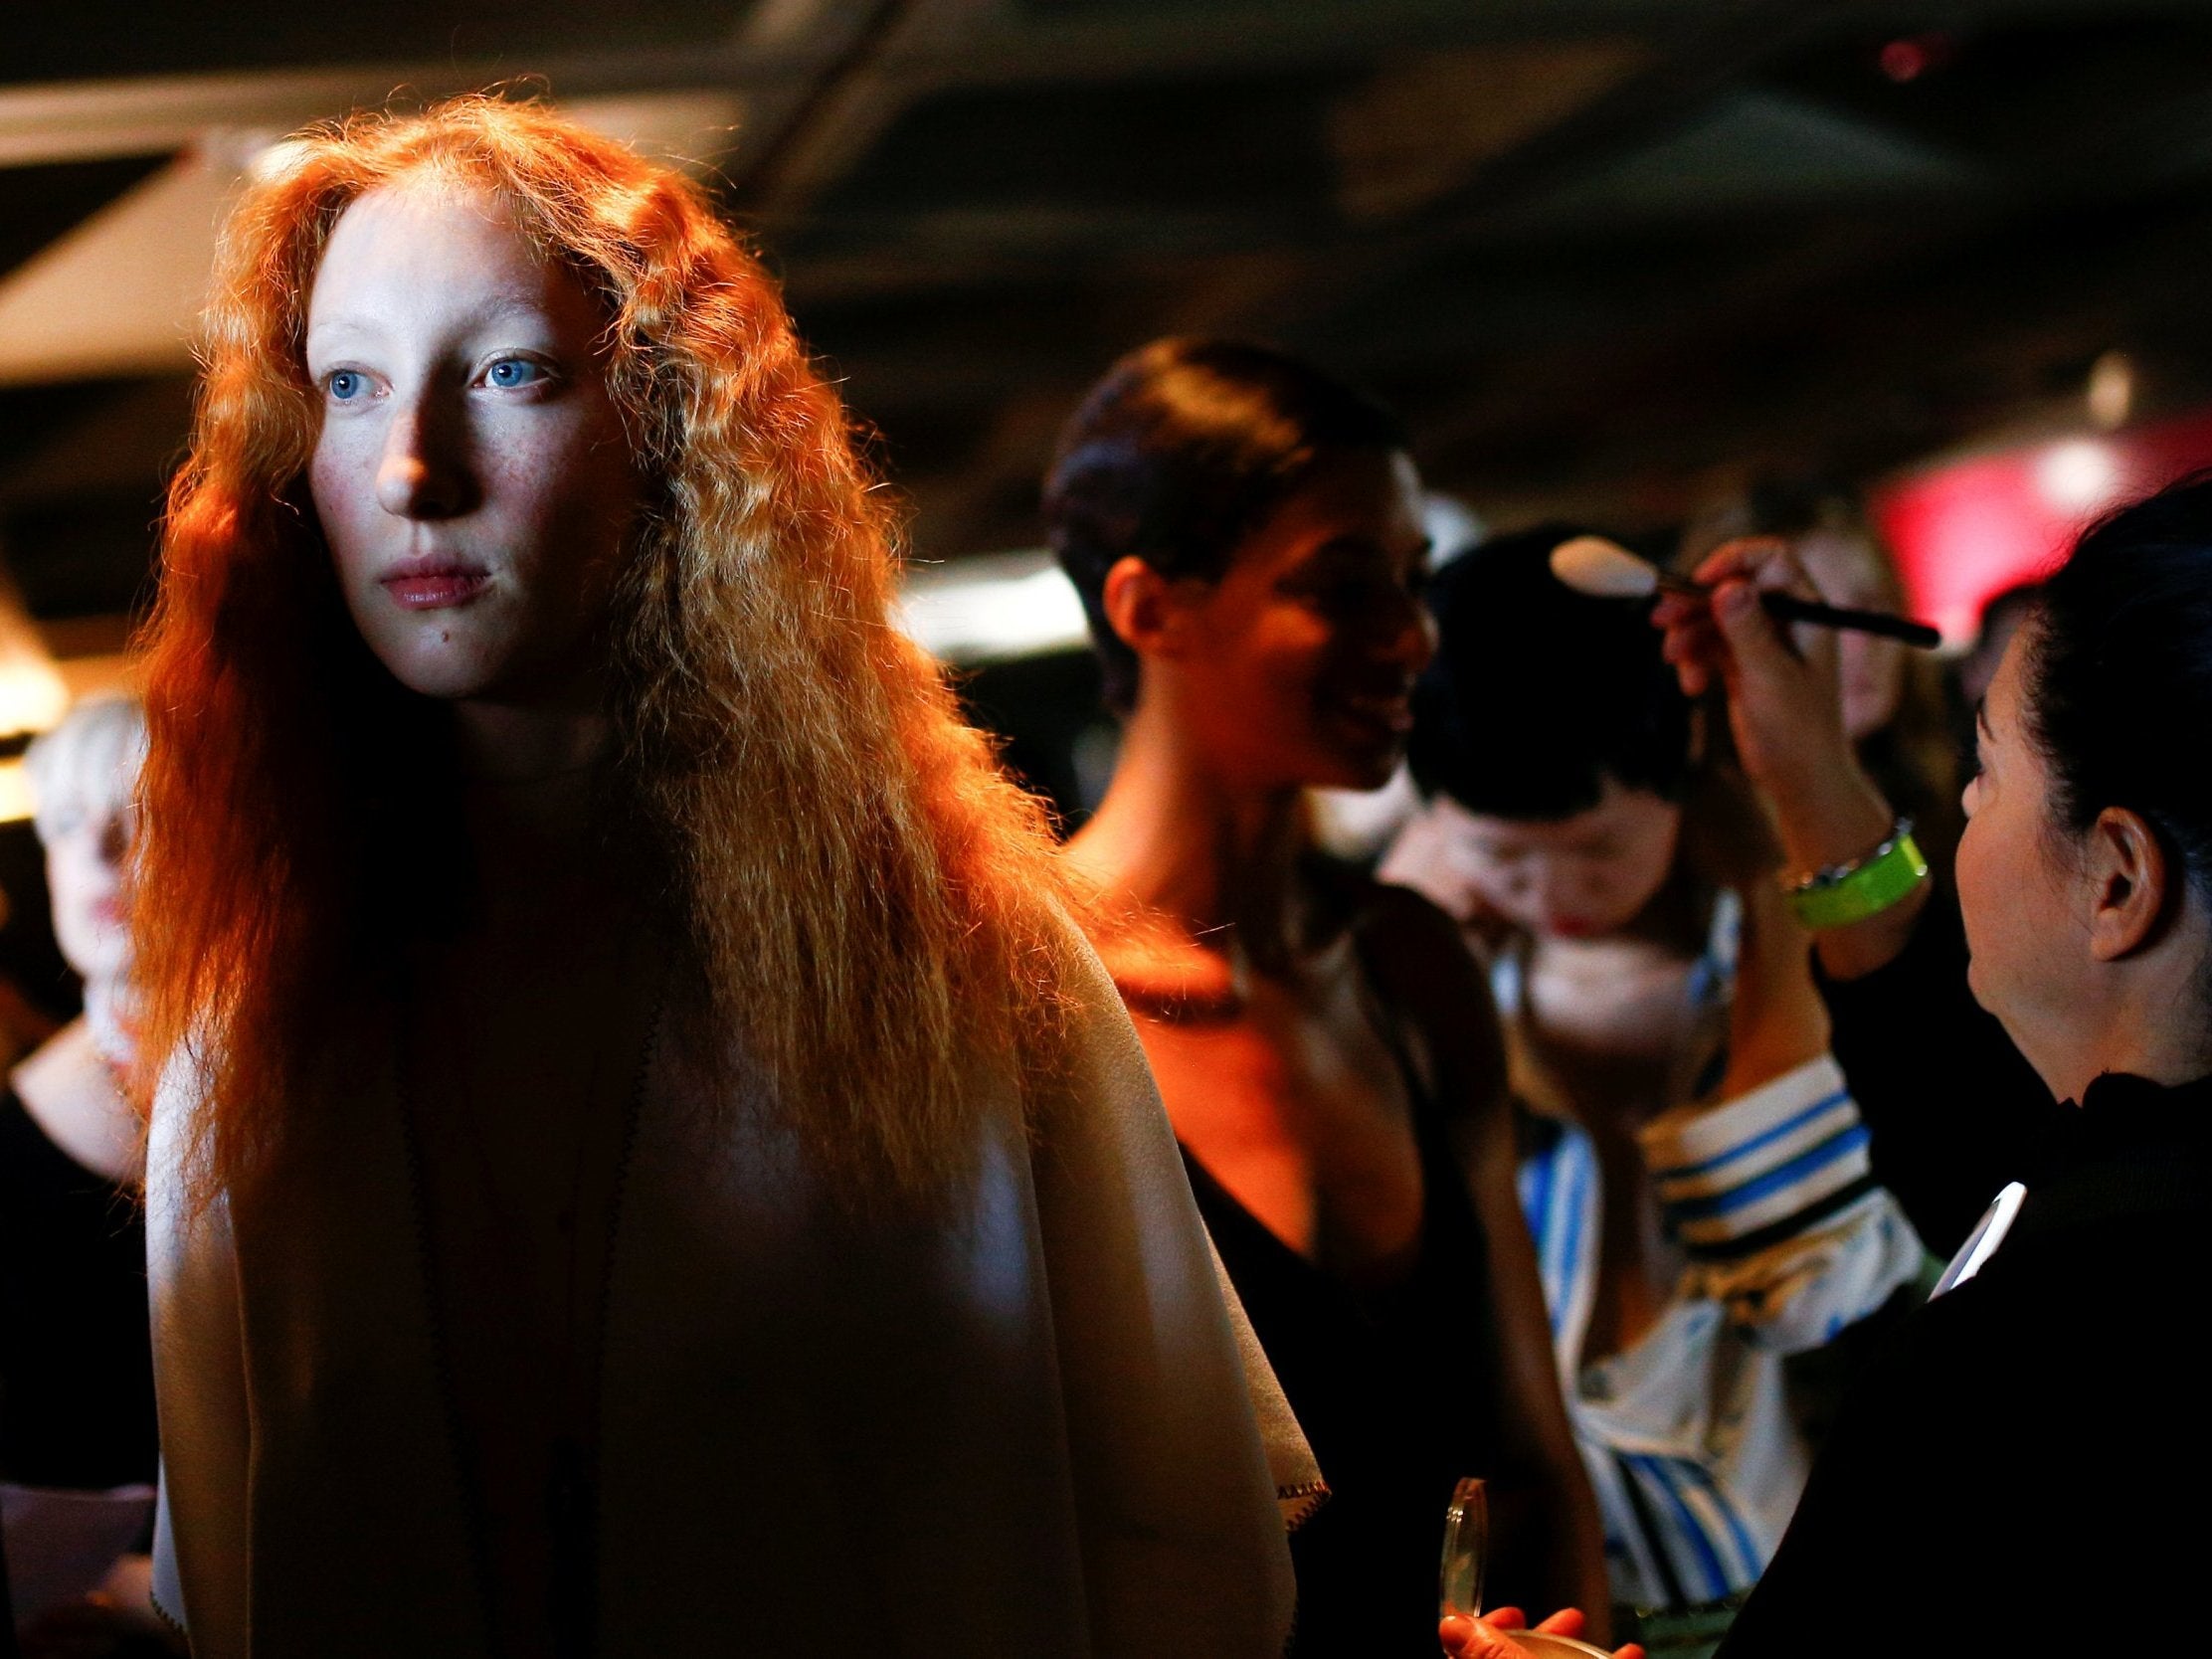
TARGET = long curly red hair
(871,904)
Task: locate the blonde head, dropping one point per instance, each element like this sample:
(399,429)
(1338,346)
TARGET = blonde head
(92,754)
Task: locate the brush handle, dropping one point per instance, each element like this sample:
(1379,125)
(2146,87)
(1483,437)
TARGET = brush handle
(1790,608)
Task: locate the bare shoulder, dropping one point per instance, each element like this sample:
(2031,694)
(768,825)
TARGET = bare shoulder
(1414,949)
(1431,985)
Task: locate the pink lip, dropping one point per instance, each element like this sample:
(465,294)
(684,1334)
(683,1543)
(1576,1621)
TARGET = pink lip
(434,584)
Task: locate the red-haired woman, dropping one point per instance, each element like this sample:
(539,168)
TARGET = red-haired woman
(640,1164)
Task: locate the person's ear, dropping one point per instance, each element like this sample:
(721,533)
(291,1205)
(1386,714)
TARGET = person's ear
(2129,879)
(1147,609)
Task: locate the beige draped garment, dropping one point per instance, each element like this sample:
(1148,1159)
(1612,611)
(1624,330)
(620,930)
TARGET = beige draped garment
(1027,1433)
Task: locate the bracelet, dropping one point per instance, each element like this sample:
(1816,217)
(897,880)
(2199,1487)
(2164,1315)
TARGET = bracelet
(1845,893)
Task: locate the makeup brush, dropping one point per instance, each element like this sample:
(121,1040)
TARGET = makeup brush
(1606,570)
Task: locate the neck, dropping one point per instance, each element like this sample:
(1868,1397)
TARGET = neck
(511,743)
(2142,1015)
(1174,837)
(2139,1045)
(106,1021)
(69,1090)
(531,789)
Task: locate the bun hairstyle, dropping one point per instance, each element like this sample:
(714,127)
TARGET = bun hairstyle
(1179,454)
(1538,693)
(2120,665)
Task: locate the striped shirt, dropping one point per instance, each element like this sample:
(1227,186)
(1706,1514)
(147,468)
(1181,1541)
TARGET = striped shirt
(1688,1434)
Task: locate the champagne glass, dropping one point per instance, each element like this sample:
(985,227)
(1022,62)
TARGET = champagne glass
(1466,1551)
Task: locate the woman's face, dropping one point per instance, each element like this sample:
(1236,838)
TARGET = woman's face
(1872,669)
(1577,877)
(86,831)
(1301,659)
(472,475)
(2025,930)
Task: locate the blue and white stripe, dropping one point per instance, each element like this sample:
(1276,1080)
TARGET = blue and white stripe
(1759,1162)
(1688,1437)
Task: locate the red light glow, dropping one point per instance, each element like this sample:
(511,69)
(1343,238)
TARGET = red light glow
(1963,531)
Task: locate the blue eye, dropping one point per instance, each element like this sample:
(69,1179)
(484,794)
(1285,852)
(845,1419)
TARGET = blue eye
(344,385)
(509,373)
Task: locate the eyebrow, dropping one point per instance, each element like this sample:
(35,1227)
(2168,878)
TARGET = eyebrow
(494,312)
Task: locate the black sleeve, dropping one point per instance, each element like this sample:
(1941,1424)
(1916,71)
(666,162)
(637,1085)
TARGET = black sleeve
(1951,1103)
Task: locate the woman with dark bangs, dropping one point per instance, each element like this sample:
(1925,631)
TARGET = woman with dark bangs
(1693,1168)
(640,1164)
(1247,537)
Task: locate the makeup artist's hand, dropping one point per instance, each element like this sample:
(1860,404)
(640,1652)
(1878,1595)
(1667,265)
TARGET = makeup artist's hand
(1785,707)
(1483,1638)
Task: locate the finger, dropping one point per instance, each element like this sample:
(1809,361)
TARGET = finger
(1506,1618)
(1567,1621)
(1698,655)
(1781,572)
(1755,645)
(1698,641)
(1740,560)
(1629,1650)
(1466,1638)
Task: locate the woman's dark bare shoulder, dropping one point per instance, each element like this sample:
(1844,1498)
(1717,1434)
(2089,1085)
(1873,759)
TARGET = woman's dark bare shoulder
(1427,980)
(1408,941)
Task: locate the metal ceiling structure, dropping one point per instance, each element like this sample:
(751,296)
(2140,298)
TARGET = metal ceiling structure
(1597,251)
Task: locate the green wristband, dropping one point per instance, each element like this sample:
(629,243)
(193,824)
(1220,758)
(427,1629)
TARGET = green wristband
(1867,888)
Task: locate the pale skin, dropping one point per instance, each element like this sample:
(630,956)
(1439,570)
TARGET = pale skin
(1600,904)
(1490,1636)
(476,489)
(68,1084)
(1847,569)
(1290,671)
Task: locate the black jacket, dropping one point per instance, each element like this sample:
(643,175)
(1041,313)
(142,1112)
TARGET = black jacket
(2028,1458)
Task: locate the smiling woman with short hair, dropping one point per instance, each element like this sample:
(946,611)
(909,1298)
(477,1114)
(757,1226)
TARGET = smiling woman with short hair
(1693,1167)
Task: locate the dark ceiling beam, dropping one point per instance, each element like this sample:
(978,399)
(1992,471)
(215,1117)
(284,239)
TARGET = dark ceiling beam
(848,37)
(788,66)
(851,103)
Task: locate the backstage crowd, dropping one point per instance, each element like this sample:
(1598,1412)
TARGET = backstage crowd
(605,1126)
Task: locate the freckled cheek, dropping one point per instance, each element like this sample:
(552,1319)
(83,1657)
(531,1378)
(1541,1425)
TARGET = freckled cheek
(345,497)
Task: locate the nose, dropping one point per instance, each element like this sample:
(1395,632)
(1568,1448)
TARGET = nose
(425,471)
(1556,890)
(1408,632)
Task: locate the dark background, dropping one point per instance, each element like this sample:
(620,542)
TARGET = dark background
(1604,254)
